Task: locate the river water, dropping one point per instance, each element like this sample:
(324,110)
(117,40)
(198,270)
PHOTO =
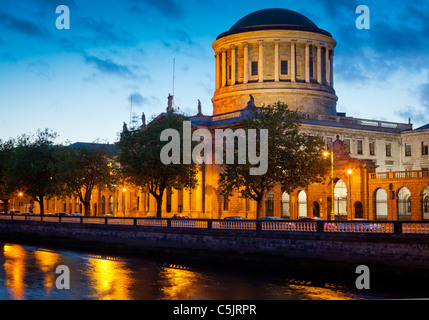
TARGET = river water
(29,272)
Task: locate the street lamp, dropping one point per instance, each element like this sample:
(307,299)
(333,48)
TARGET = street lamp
(123,201)
(349,172)
(326,154)
(20,195)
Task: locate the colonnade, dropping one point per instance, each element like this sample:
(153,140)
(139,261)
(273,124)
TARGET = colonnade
(227,62)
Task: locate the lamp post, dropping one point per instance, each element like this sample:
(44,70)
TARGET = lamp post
(20,195)
(326,154)
(349,172)
(123,201)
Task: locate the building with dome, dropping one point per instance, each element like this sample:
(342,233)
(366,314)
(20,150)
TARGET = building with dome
(380,168)
(275,55)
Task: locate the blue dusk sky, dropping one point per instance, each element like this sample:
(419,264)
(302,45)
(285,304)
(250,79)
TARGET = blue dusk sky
(78,82)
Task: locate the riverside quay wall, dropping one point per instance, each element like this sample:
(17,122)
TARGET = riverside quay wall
(402,244)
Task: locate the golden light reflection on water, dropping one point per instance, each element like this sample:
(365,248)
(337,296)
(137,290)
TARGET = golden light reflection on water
(47,262)
(110,279)
(305,292)
(179,283)
(14,267)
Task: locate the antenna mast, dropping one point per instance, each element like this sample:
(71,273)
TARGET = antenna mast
(174,69)
(131,109)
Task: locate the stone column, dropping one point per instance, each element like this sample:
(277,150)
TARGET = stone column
(217,73)
(199,195)
(307,63)
(292,62)
(276,60)
(223,67)
(233,63)
(319,64)
(327,69)
(331,68)
(261,61)
(246,62)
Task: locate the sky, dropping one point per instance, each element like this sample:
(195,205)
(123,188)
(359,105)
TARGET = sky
(78,82)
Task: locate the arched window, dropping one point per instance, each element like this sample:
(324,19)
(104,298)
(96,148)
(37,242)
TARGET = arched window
(380,204)
(302,204)
(404,204)
(103,205)
(340,199)
(285,205)
(111,205)
(316,209)
(358,209)
(425,202)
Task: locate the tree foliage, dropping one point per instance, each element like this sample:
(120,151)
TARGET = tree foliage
(140,161)
(81,168)
(8,187)
(33,166)
(294,158)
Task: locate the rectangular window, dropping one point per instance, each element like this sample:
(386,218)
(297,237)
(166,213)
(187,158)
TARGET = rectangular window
(425,148)
(372,148)
(347,143)
(359,147)
(225,203)
(388,149)
(408,150)
(283,67)
(329,143)
(254,68)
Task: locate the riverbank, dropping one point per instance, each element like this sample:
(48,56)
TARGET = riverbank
(269,249)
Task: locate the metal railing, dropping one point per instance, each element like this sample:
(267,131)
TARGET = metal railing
(320,226)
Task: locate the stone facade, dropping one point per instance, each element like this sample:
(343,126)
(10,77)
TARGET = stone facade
(292,64)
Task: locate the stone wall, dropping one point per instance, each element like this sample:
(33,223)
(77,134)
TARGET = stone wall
(385,249)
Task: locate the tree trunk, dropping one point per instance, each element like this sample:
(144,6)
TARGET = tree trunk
(41,205)
(87,208)
(158,206)
(259,200)
(258,208)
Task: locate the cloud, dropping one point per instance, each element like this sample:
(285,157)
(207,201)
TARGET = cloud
(137,99)
(397,39)
(167,8)
(105,32)
(21,26)
(109,67)
(420,114)
(41,69)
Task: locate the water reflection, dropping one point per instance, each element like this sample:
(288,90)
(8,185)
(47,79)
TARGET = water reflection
(178,283)
(110,279)
(14,268)
(47,261)
(29,273)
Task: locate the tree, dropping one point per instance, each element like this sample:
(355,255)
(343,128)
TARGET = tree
(81,167)
(7,186)
(294,158)
(32,166)
(140,159)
